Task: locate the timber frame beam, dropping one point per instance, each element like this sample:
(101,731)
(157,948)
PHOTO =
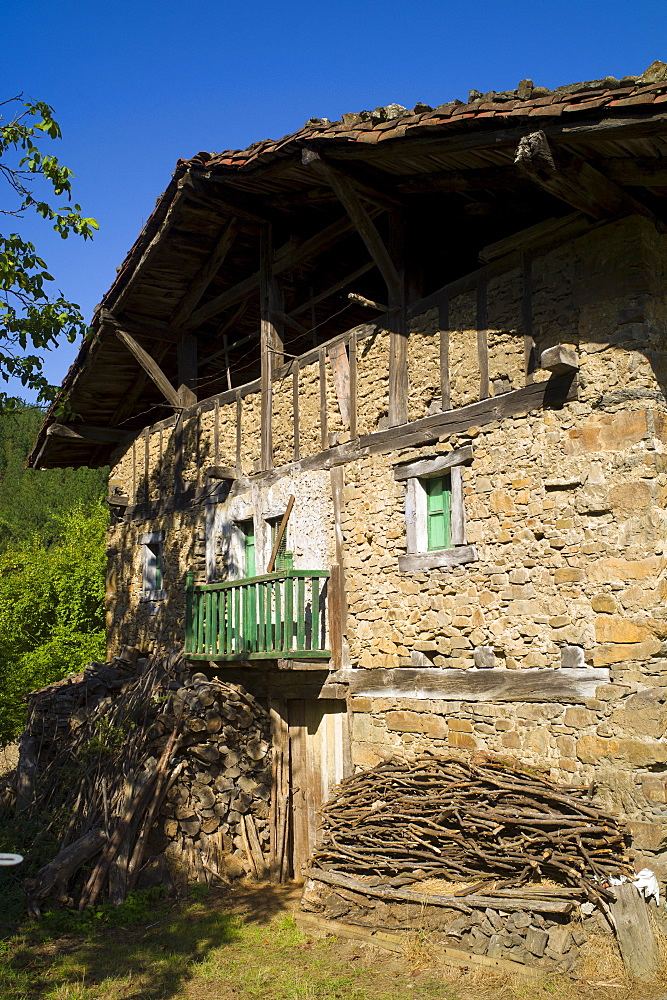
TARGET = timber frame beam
(85,432)
(206,275)
(575,181)
(151,368)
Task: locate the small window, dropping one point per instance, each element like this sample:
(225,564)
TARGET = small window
(438,512)
(151,566)
(434,512)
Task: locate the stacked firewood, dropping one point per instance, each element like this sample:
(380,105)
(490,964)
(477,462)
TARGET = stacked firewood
(469,820)
(138,759)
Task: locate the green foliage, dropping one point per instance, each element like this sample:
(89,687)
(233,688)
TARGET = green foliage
(29,318)
(138,908)
(52,562)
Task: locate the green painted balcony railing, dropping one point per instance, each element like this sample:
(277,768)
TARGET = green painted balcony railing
(276,616)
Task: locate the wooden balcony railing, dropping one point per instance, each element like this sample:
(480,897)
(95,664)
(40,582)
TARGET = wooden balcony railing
(276,616)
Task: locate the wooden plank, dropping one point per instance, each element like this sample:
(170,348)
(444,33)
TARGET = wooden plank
(299,790)
(324,428)
(361,219)
(340,367)
(426,562)
(443,323)
(285,259)
(554,392)
(147,438)
(178,458)
(482,339)
(520,900)
(216,433)
(267,340)
(569,685)
(337,590)
(636,940)
(151,368)
(295,411)
(282,528)
(529,359)
(206,274)
(353,384)
(458,512)
(432,466)
(129,401)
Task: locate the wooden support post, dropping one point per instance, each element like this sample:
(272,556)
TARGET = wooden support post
(216,432)
(239,433)
(398,337)
(147,438)
(443,322)
(353,384)
(187,369)
(337,595)
(295,411)
(324,424)
(482,339)
(340,369)
(636,940)
(267,342)
(530,361)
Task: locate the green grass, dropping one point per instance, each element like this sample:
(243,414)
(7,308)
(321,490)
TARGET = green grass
(201,949)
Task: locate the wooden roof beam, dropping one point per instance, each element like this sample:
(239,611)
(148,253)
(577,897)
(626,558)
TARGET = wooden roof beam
(575,181)
(151,368)
(287,257)
(206,274)
(87,433)
(347,195)
(635,172)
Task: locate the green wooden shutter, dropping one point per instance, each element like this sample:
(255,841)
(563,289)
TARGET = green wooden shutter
(284,558)
(438,511)
(248,529)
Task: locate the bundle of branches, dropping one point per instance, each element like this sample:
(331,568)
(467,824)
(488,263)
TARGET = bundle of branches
(462,820)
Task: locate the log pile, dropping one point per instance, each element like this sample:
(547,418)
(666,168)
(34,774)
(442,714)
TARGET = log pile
(140,759)
(484,820)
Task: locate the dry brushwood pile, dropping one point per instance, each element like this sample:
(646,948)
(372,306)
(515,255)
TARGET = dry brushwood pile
(460,820)
(135,760)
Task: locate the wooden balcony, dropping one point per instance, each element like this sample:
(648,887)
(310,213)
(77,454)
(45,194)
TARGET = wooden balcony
(276,616)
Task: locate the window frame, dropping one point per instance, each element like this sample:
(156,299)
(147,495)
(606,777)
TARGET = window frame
(419,557)
(152,566)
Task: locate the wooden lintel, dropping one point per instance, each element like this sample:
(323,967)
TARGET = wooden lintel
(575,181)
(287,257)
(446,181)
(569,685)
(349,199)
(151,368)
(205,276)
(220,472)
(84,432)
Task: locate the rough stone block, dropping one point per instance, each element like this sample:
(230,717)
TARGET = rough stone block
(614,570)
(462,741)
(604,604)
(614,629)
(536,941)
(608,653)
(591,748)
(568,575)
(647,836)
(560,940)
(460,725)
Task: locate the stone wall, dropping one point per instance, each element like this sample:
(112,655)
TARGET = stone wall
(565,508)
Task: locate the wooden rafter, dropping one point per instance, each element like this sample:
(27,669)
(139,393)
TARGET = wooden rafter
(207,273)
(575,181)
(287,257)
(85,432)
(348,197)
(150,366)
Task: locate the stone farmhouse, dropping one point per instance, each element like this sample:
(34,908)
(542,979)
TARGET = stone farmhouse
(384,406)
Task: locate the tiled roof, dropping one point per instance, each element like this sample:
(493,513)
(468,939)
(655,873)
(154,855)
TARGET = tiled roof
(394,121)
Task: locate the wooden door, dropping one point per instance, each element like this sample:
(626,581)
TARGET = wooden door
(314,737)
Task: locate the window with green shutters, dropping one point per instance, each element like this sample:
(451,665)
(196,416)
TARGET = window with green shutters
(438,511)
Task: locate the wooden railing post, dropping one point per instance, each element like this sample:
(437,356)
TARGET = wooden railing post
(189,610)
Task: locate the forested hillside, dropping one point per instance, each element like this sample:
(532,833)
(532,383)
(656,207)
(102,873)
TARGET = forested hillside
(52,561)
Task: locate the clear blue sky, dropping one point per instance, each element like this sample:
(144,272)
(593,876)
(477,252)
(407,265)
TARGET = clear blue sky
(137,85)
